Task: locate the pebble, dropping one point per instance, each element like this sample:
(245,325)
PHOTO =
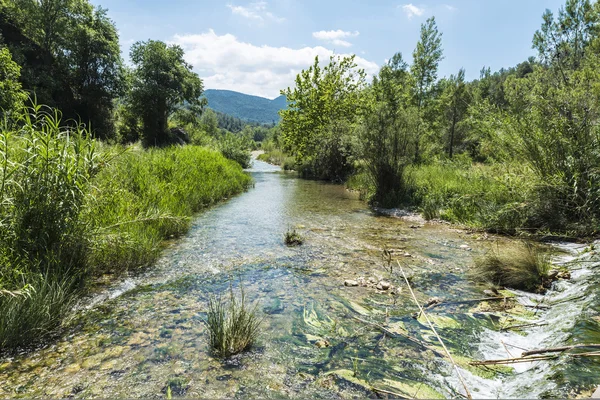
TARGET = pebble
(383,285)
(322,343)
(407,255)
(465,247)
(350,282)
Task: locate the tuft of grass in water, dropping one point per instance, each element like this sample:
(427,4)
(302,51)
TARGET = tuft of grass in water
(233,326)
(37,310)
(292,238)
(523,266)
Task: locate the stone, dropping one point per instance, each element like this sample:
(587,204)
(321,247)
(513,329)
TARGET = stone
(350,282)
(553,274)
(432,301)
(490,293)
(372,280)
(564,275)
(465,247)
(322,343)
(383,285)
(407,255)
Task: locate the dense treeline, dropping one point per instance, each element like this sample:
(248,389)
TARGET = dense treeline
(513,150)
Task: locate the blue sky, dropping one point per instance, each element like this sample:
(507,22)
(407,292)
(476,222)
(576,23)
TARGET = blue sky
(258,47)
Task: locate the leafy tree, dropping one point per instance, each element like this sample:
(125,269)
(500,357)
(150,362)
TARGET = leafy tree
(455,99)
(322,110)
(162,81)
(387,133)
(426,58)
(11,94)
(210,123)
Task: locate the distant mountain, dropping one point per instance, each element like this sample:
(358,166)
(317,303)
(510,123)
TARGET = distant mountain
(246,107)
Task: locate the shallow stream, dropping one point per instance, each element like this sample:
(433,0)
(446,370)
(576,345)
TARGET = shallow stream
(145,333)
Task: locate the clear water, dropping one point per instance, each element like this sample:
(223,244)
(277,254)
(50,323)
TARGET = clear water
(146,331)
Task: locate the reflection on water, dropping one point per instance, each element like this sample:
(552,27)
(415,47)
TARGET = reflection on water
(147,332)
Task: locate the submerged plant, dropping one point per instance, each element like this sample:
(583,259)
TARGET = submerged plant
(523,266)
(293,238)
(232,325)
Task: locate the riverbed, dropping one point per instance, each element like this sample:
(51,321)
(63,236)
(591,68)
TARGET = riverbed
(145,333)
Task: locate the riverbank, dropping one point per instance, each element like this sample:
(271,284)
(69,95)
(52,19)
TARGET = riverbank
(97,209)
(145,333)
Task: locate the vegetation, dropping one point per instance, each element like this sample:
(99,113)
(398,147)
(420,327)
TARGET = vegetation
(516,150)
(523,266)
(232,326)
(72,207)
(292,238)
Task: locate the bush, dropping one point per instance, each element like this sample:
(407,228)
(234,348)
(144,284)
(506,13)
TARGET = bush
(235,148)
(523,266)
(232,326)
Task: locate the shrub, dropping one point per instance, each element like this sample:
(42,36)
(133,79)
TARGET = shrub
(232,326)
(523,266)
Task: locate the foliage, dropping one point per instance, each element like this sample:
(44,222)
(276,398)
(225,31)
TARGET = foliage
(523,266)
(161,82)
(69,53)
(426,58)
(388,133)
(235,147)
(322,109)
(232,325)
(12,96)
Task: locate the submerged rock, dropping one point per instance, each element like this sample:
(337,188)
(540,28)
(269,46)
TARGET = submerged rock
(383,285)
(433,301)
(322,343)
(350,282)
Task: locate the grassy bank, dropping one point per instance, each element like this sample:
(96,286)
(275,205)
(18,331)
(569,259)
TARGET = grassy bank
(73,208)
(503,198)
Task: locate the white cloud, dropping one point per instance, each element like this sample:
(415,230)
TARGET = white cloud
(224,62)
(256,11)
(336,37)
(411,10)
(450,8)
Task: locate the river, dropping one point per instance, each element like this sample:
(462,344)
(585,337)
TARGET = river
(146,332)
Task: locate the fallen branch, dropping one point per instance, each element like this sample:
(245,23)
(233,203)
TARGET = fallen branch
(559,349)
(523,326)
(460,377)
(512,360)
(466,301)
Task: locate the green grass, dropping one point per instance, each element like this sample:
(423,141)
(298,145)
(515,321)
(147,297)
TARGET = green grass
(72,208)
(232,325)
(492,197)
(147,196)
(523,266)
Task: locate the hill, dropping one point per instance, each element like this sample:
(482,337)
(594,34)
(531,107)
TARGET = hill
(246,107)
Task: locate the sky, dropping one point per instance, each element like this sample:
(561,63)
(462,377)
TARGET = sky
(259,46)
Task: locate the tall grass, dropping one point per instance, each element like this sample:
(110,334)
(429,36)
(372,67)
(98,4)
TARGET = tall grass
(523,266)
(71,207)
(147,196)
(493,197)
(232,325)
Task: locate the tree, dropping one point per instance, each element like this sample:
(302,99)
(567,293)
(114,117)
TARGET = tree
(455,99)
(96,69)
(426,59)
(162,81)
(387,132)
(210,123)
(322,109)
(11,94)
